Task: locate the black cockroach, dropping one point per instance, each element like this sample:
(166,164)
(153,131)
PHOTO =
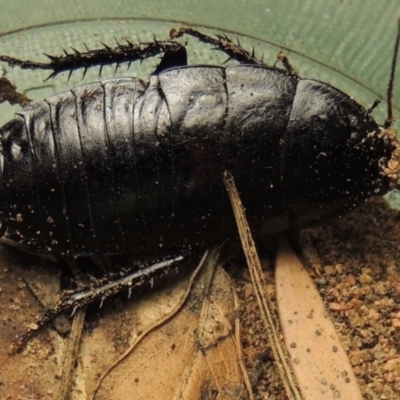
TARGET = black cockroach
(123,165)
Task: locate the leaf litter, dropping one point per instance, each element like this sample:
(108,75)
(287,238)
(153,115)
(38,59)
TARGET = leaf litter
(359,282)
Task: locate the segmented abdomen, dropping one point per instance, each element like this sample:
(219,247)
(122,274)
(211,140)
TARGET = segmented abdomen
(69,172)
(121,166)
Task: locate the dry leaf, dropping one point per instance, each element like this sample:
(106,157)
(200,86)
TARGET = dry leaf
(320,364)
(206,332)
(194,355)
(37,372)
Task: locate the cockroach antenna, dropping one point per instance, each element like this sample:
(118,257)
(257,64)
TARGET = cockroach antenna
(389,119)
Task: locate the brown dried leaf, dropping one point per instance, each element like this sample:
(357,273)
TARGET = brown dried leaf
(38,371)
(194,354)
(320,364)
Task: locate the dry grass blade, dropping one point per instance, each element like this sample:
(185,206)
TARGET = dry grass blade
(254,265)
(70,354)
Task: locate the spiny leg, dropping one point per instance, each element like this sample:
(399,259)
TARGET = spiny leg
(223,43)
(234,51)
(106,56)
(148,276)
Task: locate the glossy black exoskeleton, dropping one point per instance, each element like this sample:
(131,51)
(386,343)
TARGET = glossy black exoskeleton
(123,165)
